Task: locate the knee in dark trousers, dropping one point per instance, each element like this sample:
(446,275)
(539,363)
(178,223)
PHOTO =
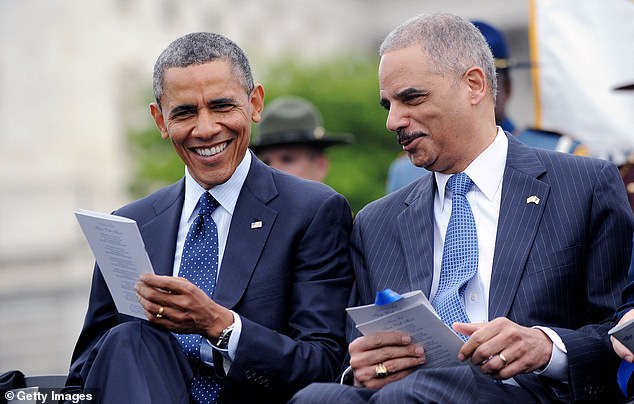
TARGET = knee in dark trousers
(137,362)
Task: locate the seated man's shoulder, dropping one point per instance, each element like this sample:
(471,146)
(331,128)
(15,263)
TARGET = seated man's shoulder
(555,160)
(394,203)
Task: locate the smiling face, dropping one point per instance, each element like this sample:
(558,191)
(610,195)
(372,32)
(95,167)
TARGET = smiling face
(434,116)
(207,113)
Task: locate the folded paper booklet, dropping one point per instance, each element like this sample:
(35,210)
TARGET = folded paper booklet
(624,333)
(120,253)
(412,314)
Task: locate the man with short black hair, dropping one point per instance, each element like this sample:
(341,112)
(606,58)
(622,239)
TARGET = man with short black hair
(252,266)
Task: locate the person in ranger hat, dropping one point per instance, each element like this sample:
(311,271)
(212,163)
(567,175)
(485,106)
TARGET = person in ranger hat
(291,138)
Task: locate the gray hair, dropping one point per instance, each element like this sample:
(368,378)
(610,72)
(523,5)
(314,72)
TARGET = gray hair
(453,44)
(199,48)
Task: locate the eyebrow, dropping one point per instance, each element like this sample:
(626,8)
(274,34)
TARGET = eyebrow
(191,107)
(404,95)
(222,100)
(182,108)
(410,92)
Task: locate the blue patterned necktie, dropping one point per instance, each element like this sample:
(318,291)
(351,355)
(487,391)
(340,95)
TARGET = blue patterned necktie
(199,265)
(459,255)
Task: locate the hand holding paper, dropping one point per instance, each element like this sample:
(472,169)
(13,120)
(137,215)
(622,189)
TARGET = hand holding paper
(186,308)
(401,332)
(622,337)
(413,315)
(392,349)
(120,253)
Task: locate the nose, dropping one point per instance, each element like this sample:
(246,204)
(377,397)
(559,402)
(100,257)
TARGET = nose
(206,124)
(396,118)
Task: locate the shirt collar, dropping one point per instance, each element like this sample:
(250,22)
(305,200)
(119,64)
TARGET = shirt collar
(486,171)
(226,194)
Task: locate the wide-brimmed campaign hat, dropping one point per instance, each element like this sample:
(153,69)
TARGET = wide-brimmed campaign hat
(290,120)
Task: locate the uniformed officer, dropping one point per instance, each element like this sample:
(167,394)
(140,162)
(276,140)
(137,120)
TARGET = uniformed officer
(291,138)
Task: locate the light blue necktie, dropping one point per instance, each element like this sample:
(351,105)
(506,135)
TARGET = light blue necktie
(199,265)
(459,255)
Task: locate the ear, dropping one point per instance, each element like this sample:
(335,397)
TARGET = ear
(477,83)
(157,114)
(257,103)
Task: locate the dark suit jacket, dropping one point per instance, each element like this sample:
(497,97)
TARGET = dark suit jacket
(628,293)
(289,281)
(561,263)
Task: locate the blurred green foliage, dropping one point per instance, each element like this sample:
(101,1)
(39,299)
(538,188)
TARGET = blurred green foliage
(155,163)
(345,89)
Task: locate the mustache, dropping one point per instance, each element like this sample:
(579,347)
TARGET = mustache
(404,138)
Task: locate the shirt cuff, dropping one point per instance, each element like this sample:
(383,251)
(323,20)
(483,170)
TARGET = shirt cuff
(347,376)
(229,354)
(557,367)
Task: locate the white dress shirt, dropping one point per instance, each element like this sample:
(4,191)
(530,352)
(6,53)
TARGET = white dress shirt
(227,196)
(485,196)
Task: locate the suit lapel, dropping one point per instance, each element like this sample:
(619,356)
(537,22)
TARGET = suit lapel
(246,241)
(524,198)
(161,232)
(416,231)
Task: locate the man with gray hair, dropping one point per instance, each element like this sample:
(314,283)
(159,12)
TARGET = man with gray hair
(252,265)
(522,251)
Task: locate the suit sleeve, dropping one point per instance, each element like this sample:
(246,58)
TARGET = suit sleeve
(312,347)
(591,361)
(628,293)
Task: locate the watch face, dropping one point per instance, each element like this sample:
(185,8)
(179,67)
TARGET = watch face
(223,341)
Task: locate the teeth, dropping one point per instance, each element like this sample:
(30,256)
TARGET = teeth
(210,151)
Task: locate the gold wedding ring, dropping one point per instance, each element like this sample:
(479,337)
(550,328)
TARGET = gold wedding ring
(503,358)
(160,312)
(380,370)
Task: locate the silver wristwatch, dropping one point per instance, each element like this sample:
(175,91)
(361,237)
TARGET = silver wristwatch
(223,339)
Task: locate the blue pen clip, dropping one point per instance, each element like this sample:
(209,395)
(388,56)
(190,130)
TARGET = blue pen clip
(387,296)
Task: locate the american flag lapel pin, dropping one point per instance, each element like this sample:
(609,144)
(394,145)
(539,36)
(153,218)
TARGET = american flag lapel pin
(257,224)
(532,199)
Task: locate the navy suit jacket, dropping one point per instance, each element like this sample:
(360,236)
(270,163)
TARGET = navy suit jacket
(561,263)
(288,280)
